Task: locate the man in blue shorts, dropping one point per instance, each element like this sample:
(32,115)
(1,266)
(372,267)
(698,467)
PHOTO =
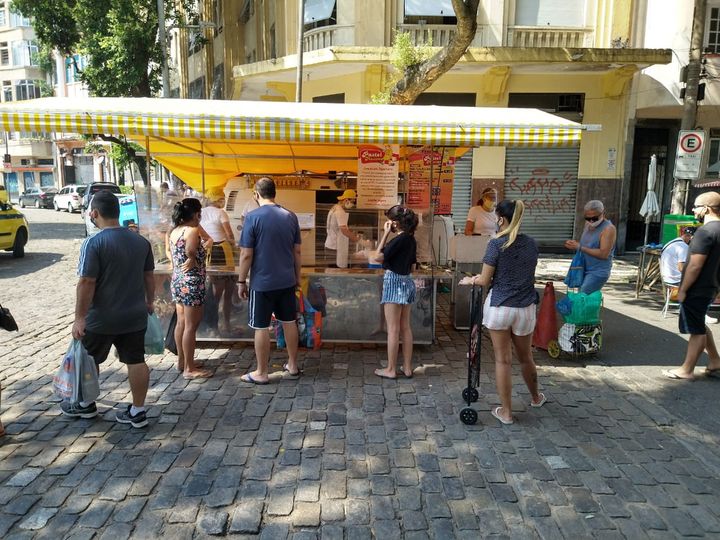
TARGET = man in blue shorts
(698,288)
(270,245)
(115,293)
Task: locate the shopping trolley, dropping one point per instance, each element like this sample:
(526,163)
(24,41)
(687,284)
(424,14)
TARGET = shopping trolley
(470,395)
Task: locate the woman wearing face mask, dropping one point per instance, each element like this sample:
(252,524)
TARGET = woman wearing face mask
(510,307)
(481,218)
(338,233)
(598,245)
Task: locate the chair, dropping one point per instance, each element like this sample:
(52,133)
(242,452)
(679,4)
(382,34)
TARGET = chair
(668,290)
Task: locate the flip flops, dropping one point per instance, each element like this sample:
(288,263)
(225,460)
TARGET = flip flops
(247,378)
(713,373)
(200,374)
(674,376)
(542,401)
(496,413)
(405,375)
(286,370)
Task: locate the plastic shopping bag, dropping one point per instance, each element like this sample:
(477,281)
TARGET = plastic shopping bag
(154,339)
(77,378)
(576,272)
(309,322)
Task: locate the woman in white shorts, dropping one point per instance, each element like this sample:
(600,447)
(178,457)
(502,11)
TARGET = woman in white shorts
(510,307)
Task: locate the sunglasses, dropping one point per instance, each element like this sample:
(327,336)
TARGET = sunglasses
(592,219)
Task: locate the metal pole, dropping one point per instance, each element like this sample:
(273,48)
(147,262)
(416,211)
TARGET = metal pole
(301,31)
(202,166)
(162,37)
(681,187)
(147,166)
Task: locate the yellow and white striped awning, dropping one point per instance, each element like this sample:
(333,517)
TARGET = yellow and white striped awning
(233,137)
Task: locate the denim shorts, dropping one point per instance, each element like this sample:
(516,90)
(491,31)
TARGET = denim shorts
(398,289)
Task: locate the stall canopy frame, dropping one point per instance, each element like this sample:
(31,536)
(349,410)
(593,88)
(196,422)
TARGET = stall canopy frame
(228,138)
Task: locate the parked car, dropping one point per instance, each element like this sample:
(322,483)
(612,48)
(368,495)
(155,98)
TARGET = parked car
(13,230)
(69,198)
(38,197)
(93,188)
(4,197)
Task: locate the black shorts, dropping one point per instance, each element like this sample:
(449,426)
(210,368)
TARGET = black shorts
(263,304)
(130,347)
(692,315)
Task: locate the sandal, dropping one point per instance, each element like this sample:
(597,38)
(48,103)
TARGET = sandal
(247,378)
(286,370)
(496,413)
(675,377)
(199,374)
(540,403)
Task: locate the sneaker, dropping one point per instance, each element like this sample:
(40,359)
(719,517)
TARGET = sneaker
(75,410)
(138,421)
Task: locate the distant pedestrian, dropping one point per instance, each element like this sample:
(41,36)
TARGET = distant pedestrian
(398,257)
(597,244)
(187,250)
(510,307)
(698,288)
(115,293)
(271,255)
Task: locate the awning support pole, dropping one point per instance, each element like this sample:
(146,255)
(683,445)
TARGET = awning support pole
(202,166)
(147,167)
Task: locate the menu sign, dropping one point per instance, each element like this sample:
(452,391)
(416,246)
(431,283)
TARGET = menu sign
(377,180)
(431,173)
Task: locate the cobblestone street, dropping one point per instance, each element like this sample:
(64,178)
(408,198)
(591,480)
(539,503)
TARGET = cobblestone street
(617,452)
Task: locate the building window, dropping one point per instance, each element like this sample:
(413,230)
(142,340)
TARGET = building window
(17,20)
(330,98)
(273,45)
(4,53)
(713,169)
(196,89)
(24,53)
(553,13)
(218,16)
(429,12)
(713,35)
(26,89)
(3,13)
(7,91)
(320,13)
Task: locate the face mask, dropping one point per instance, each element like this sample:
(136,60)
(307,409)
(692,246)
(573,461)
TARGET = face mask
(594,224)
(348,205)
(488,205)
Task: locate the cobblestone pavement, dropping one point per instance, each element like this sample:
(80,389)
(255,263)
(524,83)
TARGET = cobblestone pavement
(339,453)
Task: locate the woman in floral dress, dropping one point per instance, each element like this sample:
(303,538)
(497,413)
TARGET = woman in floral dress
(186,250)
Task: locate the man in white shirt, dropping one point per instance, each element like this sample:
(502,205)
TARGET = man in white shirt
(338,234)
(674,255)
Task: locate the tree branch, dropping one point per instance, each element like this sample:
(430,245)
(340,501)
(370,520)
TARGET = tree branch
(419,78)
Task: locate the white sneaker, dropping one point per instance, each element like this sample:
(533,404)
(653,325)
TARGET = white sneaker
(711,320)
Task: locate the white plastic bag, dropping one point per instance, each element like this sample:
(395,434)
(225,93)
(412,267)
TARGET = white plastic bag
(77,378)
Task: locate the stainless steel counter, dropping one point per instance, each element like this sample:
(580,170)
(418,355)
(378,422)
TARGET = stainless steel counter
(348,298)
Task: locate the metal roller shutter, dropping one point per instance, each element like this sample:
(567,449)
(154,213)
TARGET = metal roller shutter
(462,191)
(546,181)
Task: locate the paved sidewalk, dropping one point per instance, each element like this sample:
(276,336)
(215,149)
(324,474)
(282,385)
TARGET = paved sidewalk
(340,453)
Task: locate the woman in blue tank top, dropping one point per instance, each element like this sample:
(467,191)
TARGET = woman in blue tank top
(598,245)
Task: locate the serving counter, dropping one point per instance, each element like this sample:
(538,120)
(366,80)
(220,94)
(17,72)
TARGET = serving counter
(349,300)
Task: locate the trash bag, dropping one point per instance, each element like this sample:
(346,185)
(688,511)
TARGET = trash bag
(77,378)
(154,339)
(170,344)
(576,272)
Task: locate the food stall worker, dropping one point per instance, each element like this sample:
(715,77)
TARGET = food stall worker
(338,233)
(481,220)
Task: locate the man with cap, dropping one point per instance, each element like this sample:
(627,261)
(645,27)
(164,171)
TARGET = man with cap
(674,255)
(338,234)
(698,288)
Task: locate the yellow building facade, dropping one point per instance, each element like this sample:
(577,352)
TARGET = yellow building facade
(573,59)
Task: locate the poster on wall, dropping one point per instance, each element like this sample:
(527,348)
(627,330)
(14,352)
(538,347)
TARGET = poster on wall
(424,164)
(377,180)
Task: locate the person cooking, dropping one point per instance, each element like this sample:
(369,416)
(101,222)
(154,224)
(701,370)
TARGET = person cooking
(481,220)
(338,233)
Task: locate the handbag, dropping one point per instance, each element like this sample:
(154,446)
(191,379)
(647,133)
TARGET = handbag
(7,321)
(170,344)
(576,272)
(309,322)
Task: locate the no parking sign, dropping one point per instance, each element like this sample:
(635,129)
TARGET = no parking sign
(688,160)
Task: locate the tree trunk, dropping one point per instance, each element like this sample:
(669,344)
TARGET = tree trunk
(419,78)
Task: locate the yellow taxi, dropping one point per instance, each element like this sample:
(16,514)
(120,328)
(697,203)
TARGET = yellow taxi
(14,230)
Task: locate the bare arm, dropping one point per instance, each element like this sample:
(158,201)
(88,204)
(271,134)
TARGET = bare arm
(694,266)
(485,277)
(84,294)
(298,263)
(378,256)
(192,244)
(607,241)
(347,232)
(205,238)
(228,231)
(149,279)
(469,227)
(246,257)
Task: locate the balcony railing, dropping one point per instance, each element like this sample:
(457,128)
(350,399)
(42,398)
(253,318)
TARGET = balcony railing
(534,36)
(437,34)
(325,36)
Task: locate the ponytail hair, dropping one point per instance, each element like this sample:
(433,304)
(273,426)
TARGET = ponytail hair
(513,212)
(406,219)
(184,210)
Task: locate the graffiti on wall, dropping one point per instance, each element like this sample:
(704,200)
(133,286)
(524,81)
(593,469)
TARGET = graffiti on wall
(544,191)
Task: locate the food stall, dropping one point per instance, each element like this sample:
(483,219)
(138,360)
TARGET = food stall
(314,151)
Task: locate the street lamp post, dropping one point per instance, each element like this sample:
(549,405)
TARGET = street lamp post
(301,30)
(162,37)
